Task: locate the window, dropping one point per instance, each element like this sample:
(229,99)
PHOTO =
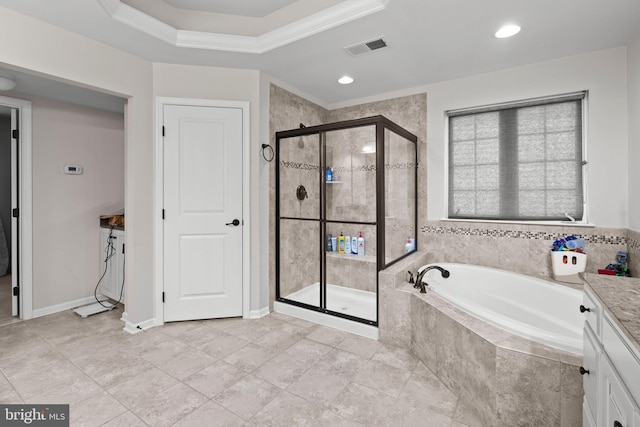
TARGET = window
(517,161)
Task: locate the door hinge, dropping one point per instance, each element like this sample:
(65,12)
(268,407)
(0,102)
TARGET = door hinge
(163,297)
(162,130)
(15,213)
(15,134)
(162,213)
(123,248)
(16,291)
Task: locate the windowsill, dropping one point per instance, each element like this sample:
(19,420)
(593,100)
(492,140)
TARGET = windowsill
(548,223)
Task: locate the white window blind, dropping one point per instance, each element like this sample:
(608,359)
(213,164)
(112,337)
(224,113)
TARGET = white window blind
(518,161)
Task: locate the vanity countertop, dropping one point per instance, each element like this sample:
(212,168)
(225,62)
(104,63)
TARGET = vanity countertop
(621,298)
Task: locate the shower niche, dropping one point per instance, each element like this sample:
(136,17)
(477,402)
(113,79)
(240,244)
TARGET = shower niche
(371,190)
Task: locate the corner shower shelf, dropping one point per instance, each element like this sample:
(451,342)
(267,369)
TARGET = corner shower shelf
(352,257)
(334,182)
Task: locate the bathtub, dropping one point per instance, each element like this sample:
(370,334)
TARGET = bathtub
(532,308)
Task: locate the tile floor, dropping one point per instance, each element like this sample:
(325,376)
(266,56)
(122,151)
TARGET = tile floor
(275,371)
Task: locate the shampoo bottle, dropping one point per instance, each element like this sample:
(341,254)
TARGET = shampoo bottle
(408,246)
(341,244)
(329,245)
(347,248)
(334,244)
(354,245)
(328,175)
(360,245)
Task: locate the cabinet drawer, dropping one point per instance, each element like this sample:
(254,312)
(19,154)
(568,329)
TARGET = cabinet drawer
(593,317)
(622,357)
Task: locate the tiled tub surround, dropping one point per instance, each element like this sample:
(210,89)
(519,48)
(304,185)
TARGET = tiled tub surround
(506,379)
(522,248)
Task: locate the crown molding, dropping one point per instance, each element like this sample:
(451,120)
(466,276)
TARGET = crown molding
(324,20)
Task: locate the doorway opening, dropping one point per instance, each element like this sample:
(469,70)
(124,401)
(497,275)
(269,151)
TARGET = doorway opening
(15,210)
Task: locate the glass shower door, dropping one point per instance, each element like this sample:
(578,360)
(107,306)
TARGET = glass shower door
(350,212)
(298,245)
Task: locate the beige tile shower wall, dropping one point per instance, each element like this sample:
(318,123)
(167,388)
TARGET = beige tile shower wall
(299,166)
(299,255)
(287,111)
(353,195)
(400,197)
(409,112)
(519,248)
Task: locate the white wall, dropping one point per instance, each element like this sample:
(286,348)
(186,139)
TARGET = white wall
(603,73)
(44,49)
(66,208)
(633,76)
(185,81)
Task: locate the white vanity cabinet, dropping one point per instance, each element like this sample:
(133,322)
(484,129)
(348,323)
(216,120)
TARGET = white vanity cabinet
(112,282)
(611,371)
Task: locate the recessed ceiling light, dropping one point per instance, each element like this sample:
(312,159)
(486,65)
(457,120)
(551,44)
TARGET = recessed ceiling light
(507,31)
(6,82)
(345,80)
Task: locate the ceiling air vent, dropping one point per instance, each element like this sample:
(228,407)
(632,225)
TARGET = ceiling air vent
(366,47)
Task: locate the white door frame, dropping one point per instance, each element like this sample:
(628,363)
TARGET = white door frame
(25,204)
(161,102)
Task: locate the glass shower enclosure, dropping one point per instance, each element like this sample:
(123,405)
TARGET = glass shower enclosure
(346,208)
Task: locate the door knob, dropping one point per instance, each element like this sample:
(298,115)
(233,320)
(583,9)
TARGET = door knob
(583,309)
(235,222)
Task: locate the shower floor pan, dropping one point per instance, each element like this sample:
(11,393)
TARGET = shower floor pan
(353,302)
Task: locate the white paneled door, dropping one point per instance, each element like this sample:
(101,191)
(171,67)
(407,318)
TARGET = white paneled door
(202,212)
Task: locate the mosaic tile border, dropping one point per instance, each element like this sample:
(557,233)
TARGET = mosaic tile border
(633,244)
(519,234)
(343,169)
(300,166)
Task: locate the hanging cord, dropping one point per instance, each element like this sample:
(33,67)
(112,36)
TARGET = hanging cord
(122,287)
(267,154)
(110,251)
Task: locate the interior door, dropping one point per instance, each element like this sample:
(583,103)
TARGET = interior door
(15,229)
(202,212)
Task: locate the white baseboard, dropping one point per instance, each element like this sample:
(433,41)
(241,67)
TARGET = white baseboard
(39,312)
(257,314)
(132,328)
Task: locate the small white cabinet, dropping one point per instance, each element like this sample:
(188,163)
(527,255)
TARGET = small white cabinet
(611,371)
(112,246)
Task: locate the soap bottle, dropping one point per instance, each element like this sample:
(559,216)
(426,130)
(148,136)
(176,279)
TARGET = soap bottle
(329,245)
(341,243)
(361,245)
(354,245)
(347,248)
(408,246)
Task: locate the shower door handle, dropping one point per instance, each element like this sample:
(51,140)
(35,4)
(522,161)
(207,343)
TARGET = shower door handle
(235,222)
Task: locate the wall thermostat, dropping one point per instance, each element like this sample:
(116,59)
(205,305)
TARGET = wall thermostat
(73,169)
